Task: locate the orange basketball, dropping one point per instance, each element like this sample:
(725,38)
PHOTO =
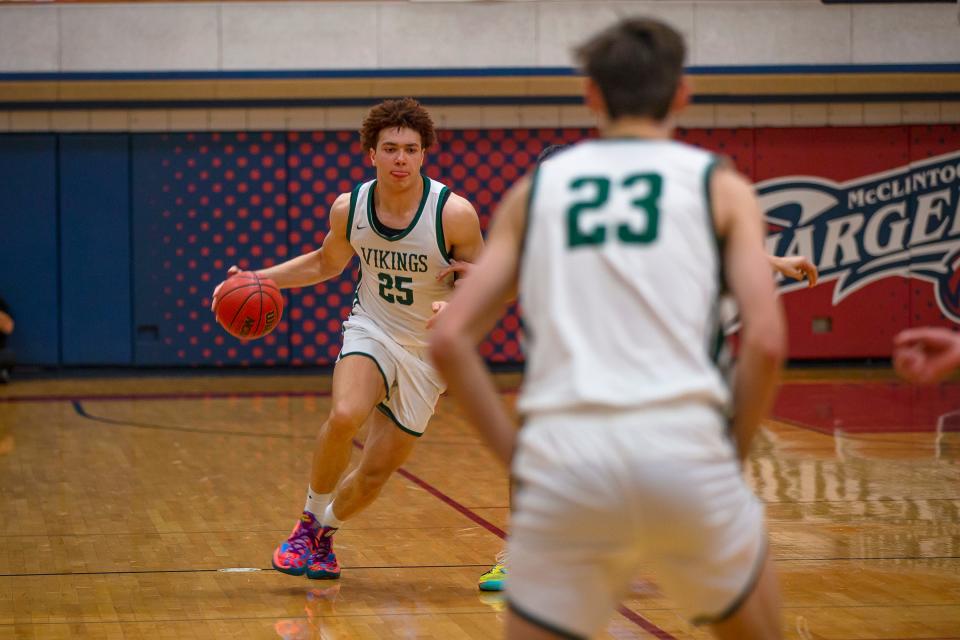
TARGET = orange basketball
(250,306)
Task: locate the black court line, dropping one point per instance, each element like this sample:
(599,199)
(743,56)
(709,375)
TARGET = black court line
(196,621)
(634,617)
(83,413)
(198,395)
(864,437)
(867,500)
(273,532)
(54,574)
(868,559)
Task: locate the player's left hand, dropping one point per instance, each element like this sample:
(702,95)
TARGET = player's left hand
(459,268)
(437,308)
(798,268)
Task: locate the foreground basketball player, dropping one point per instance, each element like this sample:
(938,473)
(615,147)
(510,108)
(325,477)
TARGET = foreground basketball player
(795,267)
(618,246)
(407,230)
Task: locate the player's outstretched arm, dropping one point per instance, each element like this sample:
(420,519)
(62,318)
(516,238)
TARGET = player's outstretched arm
(326,262)
(311,268)
(796,267)
(472,312)
(926,354)
(762,336)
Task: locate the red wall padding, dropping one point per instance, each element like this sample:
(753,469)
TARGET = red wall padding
(257,198)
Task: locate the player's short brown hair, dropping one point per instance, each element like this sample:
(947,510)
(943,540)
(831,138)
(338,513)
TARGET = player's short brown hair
(394,114)
(637,64)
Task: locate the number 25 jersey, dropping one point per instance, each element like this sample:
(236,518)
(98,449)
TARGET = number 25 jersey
(398,275)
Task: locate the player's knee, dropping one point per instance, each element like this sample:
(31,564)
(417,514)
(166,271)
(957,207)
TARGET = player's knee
(344,421)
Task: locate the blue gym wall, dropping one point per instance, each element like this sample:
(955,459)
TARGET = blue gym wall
(110,244)
(29,240)
(95,319)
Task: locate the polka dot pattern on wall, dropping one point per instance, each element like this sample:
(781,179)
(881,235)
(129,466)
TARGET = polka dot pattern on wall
(221,201)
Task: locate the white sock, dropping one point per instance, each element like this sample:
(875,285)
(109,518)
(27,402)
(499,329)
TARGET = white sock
(330,520)
(316,502)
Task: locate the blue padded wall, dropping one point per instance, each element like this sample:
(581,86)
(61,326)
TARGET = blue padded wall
(96,313)
(28,244)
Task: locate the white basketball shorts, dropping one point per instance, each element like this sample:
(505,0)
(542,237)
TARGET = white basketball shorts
(601,495)
(413,386)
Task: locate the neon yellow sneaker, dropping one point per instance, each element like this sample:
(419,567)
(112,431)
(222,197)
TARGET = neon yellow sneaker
(495,579)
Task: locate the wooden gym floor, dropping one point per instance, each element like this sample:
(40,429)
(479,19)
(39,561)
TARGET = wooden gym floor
(148,508)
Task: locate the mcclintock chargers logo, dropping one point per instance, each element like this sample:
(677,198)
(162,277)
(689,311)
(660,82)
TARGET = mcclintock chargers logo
(903,222)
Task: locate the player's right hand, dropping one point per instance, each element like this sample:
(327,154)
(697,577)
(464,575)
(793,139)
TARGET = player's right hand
(437,307)
(459,268)
(232,271)
(926,354)
(798,268)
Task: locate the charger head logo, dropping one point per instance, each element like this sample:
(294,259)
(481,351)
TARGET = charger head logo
(903,222)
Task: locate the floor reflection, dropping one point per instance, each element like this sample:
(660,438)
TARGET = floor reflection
(866,407)
(319,605)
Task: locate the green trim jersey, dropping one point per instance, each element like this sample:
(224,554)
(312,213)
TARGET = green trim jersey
(620,279)
(398,275)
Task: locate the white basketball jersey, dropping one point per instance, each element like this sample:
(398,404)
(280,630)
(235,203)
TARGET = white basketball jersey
(398,276)
(620,279)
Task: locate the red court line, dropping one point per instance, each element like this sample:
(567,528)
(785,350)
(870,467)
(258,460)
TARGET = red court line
(630,615)
(644,624)
(436,493)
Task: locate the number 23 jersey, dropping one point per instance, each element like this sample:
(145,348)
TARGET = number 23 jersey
(620,279)
(398,275)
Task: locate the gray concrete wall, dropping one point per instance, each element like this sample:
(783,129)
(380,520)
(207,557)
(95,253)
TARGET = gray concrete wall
(410,34)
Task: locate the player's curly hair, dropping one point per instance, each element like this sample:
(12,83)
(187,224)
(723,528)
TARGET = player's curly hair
(393,114)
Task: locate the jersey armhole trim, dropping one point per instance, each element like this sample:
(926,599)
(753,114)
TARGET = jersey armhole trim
(717,342)
(527,218)
(354,195)
(441,240)
(527,221)
(713,163)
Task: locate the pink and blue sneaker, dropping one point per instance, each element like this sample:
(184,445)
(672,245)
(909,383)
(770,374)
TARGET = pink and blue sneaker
(323,563)
(293,555)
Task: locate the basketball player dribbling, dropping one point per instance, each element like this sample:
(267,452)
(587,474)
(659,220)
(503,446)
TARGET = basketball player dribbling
(632,442)
(412,235)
